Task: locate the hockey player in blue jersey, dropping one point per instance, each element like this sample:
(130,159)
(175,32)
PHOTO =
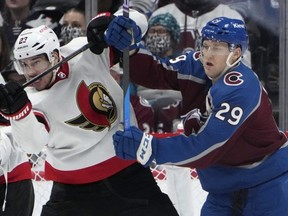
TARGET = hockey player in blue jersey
(240,154)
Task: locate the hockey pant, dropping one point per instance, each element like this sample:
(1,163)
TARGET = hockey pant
(19,199)
(131,192)
(267,199)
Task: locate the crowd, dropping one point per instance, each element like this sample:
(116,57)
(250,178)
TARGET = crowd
(163,102)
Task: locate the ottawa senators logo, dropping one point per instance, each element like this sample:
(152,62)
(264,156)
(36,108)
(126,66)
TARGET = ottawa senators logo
(98,110)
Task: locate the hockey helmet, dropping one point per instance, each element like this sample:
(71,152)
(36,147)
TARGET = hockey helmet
(231,31)
(36,41)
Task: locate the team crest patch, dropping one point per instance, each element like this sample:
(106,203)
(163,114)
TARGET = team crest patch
(233,78)
(97,107)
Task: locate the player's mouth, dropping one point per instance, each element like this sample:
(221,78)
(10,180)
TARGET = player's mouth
(208,65)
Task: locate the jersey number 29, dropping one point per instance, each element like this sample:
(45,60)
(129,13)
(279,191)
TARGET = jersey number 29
(235,114)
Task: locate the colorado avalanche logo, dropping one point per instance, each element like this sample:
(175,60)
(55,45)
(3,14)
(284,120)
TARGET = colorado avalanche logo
(98,110)
(233,78)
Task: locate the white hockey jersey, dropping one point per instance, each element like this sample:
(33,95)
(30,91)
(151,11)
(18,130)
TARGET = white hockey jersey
(81,111)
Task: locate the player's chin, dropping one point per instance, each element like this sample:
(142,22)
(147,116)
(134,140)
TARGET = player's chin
(211,73)
(208,71)
(40,88)
(39,85)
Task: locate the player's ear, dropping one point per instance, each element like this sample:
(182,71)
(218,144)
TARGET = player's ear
(56,55)
(236,54)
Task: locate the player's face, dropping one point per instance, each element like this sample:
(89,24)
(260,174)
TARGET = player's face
(214,55)
(34,66)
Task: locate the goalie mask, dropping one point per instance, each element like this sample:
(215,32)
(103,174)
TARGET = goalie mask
(33,42)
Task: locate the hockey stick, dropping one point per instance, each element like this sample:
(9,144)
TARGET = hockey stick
(66,59)
(126,76)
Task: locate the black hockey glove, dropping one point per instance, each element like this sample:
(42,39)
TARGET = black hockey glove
(95,31)
(14,102)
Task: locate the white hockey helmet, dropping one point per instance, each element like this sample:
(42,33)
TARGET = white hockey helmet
(35,41)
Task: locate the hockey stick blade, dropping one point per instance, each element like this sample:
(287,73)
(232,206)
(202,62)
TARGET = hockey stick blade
(69,57)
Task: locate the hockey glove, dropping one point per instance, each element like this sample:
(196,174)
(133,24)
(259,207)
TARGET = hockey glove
(95,31)
(193,121)
(123,32)
(133,144)
(14,102)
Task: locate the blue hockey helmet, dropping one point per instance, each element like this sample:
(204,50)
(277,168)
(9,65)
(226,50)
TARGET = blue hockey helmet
(231,31)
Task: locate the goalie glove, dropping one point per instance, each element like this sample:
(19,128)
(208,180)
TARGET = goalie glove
(14,102)
(193,121)
(133,144)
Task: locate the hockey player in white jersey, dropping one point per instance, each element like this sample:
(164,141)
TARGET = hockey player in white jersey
(78,108)
(240,154)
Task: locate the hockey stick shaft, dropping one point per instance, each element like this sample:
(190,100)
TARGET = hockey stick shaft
(66,59)
(126,76)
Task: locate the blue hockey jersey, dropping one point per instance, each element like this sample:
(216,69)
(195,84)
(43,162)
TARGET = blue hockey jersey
(240,145)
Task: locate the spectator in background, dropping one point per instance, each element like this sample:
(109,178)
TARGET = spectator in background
(162,39)
(163,35)
(6,65)
(18,15)
(73,25)
(14,16)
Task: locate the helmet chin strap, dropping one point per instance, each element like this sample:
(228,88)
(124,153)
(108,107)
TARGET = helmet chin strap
(228,63)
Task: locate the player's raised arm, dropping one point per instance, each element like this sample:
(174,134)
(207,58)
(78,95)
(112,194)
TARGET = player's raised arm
(16,107)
